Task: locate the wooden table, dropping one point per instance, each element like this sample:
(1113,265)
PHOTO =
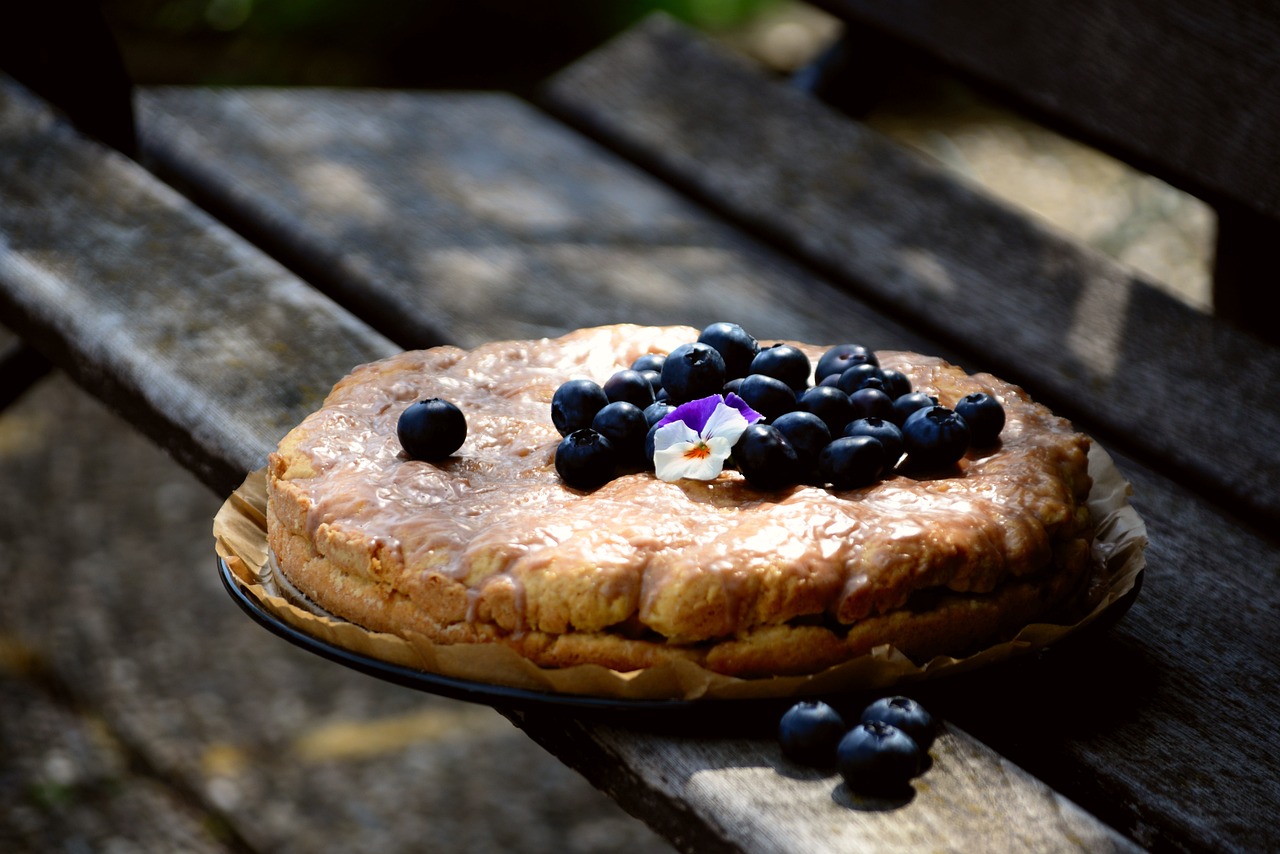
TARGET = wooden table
(267,241)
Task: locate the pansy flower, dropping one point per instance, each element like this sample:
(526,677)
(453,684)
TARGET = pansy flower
(695,439)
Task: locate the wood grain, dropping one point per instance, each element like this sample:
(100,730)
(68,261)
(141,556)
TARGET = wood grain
(1185,90)
(206,344)
(1078,330)
(740,794)
(470,219)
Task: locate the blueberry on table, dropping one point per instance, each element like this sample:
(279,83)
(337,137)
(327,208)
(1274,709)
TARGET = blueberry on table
(934,437)
(896,383)
(856,376)
(807,433)
(649,362)
(693,371)
(783,362)
(766,459)
(886,432)
(585,459)
(655,381)
(734,344)
(630,386)
(907,715)
(809,732)
(656,411)
(908,403)
(840,358)
(869,402)
(431,429)
(985,417)
(851,462)
(624,426)
(575,403)
(769,396)
(876,758)
(828,403)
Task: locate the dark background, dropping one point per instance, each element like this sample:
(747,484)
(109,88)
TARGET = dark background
(503,44)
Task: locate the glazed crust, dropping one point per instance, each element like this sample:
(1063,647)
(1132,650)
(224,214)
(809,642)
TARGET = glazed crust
(490,545)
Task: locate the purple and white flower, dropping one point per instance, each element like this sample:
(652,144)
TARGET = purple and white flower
(696,438)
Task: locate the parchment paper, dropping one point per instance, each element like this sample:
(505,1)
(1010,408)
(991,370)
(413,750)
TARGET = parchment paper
(241,541)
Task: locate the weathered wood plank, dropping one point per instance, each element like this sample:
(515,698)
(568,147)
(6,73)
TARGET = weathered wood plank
(296,365)
(161,310)
(474,218)
(1140,369)
(740,794)
(1185,90)
(20,367)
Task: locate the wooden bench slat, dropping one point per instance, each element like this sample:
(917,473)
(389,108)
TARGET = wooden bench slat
(1081,332)
(717,793)
(159,309)
(476,218)
(1183,88)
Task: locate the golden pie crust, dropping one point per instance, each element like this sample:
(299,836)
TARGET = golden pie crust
(489,546)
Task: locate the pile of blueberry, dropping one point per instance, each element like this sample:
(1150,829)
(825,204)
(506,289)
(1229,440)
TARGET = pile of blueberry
(855,425)
(880,755)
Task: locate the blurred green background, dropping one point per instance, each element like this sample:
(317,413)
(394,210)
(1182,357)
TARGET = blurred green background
(504,44)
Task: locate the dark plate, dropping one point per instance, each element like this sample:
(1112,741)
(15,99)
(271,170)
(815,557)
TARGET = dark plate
(499,696)
(648,713)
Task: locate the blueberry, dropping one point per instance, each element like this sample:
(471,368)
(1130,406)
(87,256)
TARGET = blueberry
(985,417)
(807,433)
(655,381)
(841,357)
(431,429)
(851,462)
(783,362)
(856,375)
(585,459)
(649,362)
(656,411)
(896,383)
(631,386)
(908,403)
(876,758)
(868,402)
(732,386)
(828,403)
(649,446)
(575,403)
(624,426)
(692,371)
(907,715)
(766,459)
(934,437)
(769,396)
(886,432)
(809,732)
(734,344)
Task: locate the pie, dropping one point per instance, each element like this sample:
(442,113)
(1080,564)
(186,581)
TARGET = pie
(490,546)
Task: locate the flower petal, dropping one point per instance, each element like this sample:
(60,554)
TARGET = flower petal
(695,412)
(687,459)
(726,422)
(671,433)
(743,407)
